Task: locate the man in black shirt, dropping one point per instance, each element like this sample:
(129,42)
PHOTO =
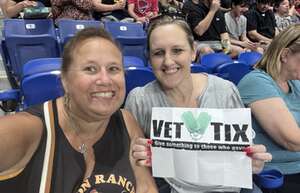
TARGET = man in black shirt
(261,23)
(208,24)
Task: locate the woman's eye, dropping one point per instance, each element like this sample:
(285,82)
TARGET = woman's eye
(158,53)
(114,69)
(177,51)
(90,69)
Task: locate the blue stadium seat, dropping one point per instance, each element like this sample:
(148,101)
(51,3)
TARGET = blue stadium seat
(133,61)
(131,36)
(67,28)
(40,82)
(212,60)
(196,68)
(137,76)
(249,58)
(232,71)
(29,39)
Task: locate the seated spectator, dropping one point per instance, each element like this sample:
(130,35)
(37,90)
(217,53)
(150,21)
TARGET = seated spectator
(283,19)
(272,91)
(114,14)
(171,51)
(12,9)
(81,10)
(171,7)
(80,138)
(236,24)
(143,11)
(209,28)
(261,23)
(293,12)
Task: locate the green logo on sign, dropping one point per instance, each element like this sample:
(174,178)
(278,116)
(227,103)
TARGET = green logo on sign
(196,125)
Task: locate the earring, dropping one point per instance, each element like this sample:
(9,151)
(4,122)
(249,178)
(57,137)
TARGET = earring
(66,101)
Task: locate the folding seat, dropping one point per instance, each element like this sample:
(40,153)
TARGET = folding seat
(132,61)
(131,36)
(137,76)
(233,71)
(28,39)
(249,58)
(67,28)
(196,68)
(212,60)
(40,82)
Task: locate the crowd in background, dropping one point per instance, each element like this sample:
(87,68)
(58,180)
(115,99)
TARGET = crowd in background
(230,26)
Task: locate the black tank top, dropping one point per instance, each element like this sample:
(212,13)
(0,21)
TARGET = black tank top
(112,172)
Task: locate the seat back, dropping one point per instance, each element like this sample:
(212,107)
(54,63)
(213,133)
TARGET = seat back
(132,61)
(67,28)
(233,71)
(29,39)
(196,68)
(212,60)
(131,36)
(137,76)
(249,58)
(41,81)
(40,87)
(41,65)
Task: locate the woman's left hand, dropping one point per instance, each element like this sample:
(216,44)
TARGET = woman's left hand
(259,156)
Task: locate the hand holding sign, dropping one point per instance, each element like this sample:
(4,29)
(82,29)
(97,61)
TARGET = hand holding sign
(213,141)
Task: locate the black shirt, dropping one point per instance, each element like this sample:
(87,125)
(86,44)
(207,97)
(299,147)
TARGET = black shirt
(112,167)
(263,23)
(196,13)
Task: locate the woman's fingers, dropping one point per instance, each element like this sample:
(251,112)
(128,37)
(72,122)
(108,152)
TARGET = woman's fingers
(141,151)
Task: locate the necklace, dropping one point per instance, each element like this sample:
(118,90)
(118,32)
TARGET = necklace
(82,148)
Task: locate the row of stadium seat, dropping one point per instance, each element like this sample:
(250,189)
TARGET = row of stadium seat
(24,40)
(40,79)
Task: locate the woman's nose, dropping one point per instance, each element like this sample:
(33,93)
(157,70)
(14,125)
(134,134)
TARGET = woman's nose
(168,60)
(103,77)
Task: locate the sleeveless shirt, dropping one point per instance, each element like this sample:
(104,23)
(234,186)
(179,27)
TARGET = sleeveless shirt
(112,171)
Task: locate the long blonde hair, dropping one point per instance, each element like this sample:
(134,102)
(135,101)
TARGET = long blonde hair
(271,60)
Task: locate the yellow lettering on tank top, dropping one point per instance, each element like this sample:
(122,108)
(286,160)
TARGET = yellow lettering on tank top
(122,181)
(84,186)
(99,179)
(111,179)
(128,186)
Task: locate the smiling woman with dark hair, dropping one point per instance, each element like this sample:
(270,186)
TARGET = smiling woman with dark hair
(171,51)
(79,142)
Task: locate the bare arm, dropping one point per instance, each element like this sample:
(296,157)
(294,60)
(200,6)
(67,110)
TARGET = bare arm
(12,9)
(20,135)
(99,6)
(204,24)
(133,15)
(278,122)
(258,37)
(145,182)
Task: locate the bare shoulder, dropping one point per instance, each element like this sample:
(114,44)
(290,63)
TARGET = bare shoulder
(133,127)
(20,135)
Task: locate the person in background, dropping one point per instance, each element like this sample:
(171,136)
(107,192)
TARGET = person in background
(273,90)
(142,11)
(13,8)
(261,23)
(209,28)
(171,51)
(283,19)
(236,24)
(79,142)
(82,10)
(113,14)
